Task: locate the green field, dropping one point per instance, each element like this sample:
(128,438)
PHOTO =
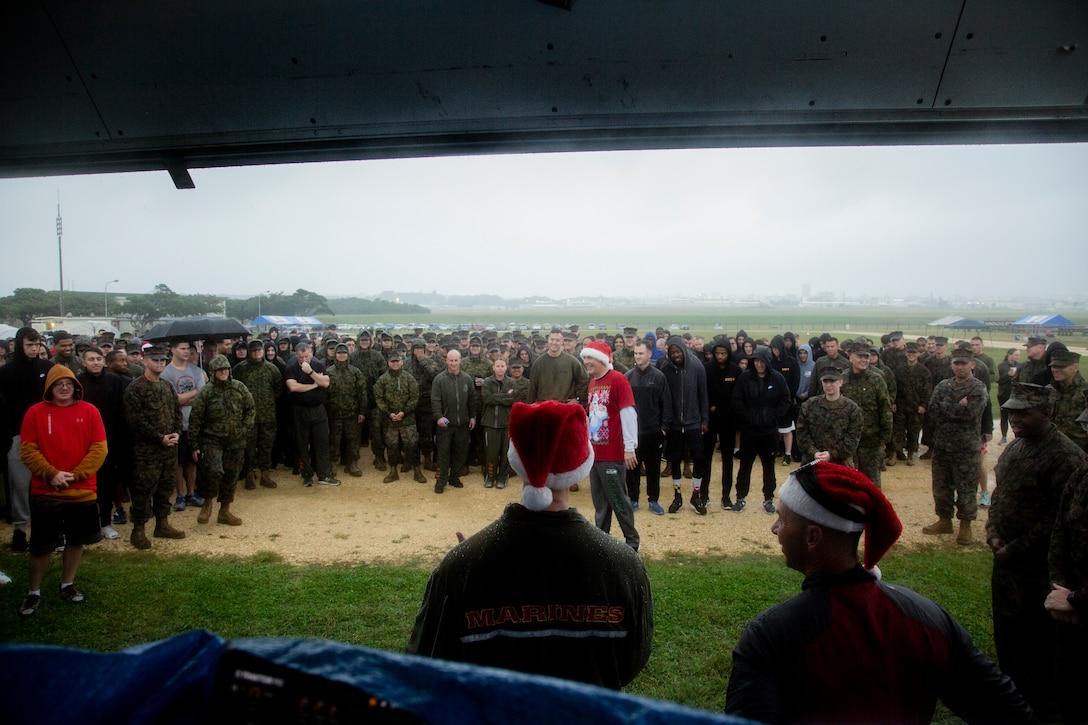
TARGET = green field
(702,605)
(804,322)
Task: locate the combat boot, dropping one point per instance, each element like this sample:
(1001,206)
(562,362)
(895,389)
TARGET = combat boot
(379,464)
(139,537)
(890,460)
(419,477)
(163,529)
(391,476)
(251,480)
(226,517)
(266,479)
(964,537)
(354,470)
(428,465)
(940,526)
(205,511)
(912,459)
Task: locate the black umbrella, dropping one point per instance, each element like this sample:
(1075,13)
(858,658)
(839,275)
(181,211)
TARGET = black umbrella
(196,328)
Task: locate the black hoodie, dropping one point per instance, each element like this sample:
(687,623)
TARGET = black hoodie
(22,381)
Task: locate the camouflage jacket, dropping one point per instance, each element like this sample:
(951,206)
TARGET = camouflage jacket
(223,412)
(477,367)
(957,428)
(889,380)
(1028,369)
(624,357)
(265,384)
(868,390)
(521,390)
(1072,400)
(152,411)
(841,362)
(939,368)
(424,371)
(372,364)
(834,427)
(914,385)
(397,392)
(1030,478)
(1068,555)
(346,396)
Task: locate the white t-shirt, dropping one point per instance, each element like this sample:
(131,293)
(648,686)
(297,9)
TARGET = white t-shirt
(184,381)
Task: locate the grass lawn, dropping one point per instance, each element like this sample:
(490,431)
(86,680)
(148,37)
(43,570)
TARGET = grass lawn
(701,605)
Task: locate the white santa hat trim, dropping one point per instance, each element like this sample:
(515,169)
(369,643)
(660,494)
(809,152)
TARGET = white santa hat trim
(798,501)
(593,349)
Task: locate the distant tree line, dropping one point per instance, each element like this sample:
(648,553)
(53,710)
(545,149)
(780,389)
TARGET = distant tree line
(25,304)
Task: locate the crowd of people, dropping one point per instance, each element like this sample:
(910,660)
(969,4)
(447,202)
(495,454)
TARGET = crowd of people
(166,426)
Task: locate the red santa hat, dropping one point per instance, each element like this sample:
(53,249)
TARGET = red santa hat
(598,351)
(549,449)
(843,499)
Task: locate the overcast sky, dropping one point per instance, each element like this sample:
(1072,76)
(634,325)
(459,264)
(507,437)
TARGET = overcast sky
(866,221)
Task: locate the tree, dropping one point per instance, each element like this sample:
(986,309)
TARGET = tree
(26,303)
(165,302)
(306,303)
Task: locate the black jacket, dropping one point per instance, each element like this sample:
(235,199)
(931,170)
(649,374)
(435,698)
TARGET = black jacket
(759,403)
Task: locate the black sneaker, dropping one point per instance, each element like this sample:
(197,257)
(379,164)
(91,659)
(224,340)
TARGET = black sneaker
(29,605)
(768,506)
(70,594)
(738,506)
(727,504)
(329,481)
(698,505)
(677,503)
(456,483)
(19,543)
(308,482)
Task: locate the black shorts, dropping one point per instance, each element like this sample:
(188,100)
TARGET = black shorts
(53,523)
(185,453)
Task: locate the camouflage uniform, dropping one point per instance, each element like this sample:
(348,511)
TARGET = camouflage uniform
(424,371)
(1028,369)
(152,411)
(835,427)
(220,423)
(957,446)
(868,390)
(345,400)
(396,391)
(1068,563)
(265,384)
(373,365)
(914,385)
(521,390)
(478,367)
(939,369)
(1031,475)
(1072,400)
(623,357)
(841,362)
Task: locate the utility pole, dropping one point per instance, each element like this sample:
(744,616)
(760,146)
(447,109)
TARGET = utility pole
(60,255)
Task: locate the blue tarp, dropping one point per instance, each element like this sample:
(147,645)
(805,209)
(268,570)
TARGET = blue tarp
(1044,321)
(172,681)
(282,321)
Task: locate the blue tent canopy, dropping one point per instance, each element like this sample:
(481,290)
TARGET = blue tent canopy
(282,321)
(1044,321)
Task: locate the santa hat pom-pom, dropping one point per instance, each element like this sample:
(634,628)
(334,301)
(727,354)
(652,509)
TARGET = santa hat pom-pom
(536,498)
(875,571)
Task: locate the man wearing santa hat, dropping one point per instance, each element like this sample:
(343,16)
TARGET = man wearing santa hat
(852,648)
(541,590)
(613,432)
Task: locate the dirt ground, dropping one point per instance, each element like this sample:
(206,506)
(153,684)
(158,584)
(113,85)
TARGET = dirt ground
(406,523)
